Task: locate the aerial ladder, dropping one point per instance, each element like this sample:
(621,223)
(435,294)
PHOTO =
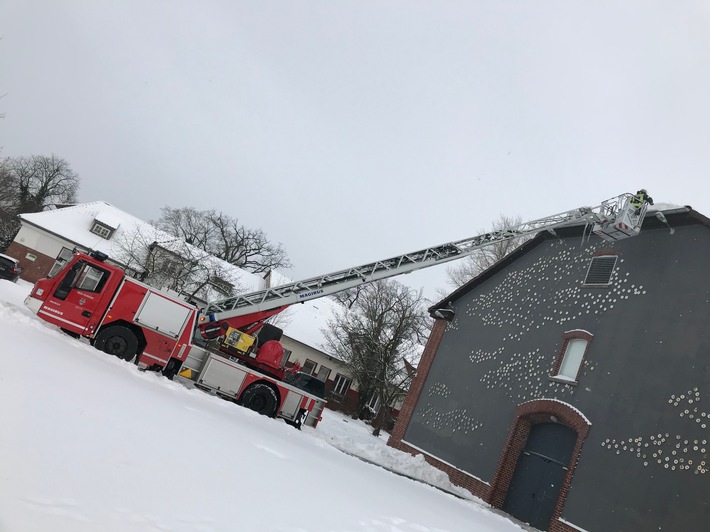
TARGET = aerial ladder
(229,348)
(237,319)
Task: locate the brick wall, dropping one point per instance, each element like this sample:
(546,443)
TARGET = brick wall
(32,270)
(347,404)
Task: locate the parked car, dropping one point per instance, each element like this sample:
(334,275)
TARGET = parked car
(9,268)
(307,383)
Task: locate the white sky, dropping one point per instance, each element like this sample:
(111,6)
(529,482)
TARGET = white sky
(352,131)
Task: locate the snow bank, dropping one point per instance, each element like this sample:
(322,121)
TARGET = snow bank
(92,444)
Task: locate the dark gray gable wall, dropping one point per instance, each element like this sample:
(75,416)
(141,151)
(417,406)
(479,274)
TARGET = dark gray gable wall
(644,386)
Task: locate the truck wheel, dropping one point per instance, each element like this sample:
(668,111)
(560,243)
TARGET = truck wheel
(171,368)
(117,341)
(260,398)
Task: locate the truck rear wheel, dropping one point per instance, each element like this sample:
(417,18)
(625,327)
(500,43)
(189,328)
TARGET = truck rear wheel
(260,398)
(117,341)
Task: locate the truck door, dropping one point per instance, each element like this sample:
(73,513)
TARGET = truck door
(77,297)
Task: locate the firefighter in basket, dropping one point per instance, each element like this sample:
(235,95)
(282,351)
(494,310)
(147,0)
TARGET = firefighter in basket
(639,199)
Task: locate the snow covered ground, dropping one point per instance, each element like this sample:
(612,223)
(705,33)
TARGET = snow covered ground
(89,443)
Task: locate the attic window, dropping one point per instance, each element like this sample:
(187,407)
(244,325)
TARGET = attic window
(600,270)
(104,231)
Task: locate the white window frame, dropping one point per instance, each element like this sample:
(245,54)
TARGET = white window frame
(341,384)
(309,361)
(373,404)
(570,359)
(64,256)
(323,369)
(100,229)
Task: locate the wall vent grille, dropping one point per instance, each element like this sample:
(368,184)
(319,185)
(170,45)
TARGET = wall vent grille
(600,270)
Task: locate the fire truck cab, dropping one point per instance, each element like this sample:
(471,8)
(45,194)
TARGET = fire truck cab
(119,315)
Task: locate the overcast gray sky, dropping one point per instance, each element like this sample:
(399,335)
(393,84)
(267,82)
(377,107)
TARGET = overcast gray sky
(351,131)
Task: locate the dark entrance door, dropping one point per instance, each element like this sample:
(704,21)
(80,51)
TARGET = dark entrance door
(537,480)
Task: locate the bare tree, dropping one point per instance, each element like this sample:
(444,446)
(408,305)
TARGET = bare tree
(29,184)
(9,225)
(222,236)
(40,180)
(377,336)
(8,189)
(468,268)
(173,264)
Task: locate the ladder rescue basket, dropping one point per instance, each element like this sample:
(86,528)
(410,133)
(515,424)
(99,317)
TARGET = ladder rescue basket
(621,218)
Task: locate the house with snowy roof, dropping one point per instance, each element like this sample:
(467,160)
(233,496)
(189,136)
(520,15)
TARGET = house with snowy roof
(569,384)
(47,239)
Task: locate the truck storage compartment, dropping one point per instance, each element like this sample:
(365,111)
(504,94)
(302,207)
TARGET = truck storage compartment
(291,404)
(222,376)
(162,314)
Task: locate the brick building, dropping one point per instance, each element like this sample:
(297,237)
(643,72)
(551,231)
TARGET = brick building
(571,387)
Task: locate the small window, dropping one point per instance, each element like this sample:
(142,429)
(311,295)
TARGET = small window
(341,384)
(92,279)
(323,373)
(308,367)
(64,256)
(102,230)
(600,270)
(373,404)
(570,359)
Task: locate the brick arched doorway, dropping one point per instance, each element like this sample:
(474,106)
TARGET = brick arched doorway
(542,450)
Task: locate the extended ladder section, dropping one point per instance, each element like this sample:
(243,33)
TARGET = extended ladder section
(604,215)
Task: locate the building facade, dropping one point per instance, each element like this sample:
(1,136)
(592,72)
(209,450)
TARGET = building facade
(572,386)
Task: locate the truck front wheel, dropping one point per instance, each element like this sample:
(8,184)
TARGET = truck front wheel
(117,341)
(260,398)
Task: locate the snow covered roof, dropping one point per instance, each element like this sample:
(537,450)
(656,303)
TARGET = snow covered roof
(665,207)
(74,223)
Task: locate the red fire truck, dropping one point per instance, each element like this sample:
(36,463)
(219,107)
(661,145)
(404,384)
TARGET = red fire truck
(228,348)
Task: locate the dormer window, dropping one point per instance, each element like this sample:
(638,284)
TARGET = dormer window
(103,230)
